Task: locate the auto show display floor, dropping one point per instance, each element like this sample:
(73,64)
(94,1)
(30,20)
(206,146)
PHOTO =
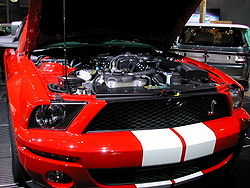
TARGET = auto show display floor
(6,179)
(238,179)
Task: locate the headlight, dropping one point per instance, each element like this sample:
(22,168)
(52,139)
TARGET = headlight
(54,116)
(236,95)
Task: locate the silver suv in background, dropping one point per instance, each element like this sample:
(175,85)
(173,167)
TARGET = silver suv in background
(223,46)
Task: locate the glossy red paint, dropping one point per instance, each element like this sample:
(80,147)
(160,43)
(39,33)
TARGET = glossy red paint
(27,89)
(228,133)
(32,27)
(218,166)
(51,71)
(184,145)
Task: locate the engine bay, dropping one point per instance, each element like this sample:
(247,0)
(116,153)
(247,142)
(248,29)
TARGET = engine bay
(120,72)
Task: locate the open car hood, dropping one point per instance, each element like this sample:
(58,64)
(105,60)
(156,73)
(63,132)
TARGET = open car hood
(153,23)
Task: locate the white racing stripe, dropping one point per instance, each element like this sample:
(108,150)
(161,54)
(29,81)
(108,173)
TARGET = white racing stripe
(188,178)
(200,140)
(161,146)
(160,184)
(168,183)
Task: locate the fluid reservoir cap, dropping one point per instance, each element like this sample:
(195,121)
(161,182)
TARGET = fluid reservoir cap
(85,75)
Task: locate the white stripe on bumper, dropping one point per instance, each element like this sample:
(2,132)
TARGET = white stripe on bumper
(160,146)
(200,140)
(160,184)
(168,183)
(163,146)
(188,178)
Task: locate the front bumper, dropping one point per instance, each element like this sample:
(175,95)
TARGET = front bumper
(129,149)
(82,178)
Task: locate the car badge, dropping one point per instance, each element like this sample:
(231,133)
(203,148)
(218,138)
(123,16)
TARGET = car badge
(211,112)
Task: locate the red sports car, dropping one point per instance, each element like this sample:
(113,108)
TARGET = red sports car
(96,100)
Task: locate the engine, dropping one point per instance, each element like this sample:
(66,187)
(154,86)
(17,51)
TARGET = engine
(127,73)
(126,70)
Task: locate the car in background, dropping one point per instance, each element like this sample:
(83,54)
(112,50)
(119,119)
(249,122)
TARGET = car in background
(9,40)
(97,100)
(223,46)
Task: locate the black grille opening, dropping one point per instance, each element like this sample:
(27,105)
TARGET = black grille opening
(136,175)
(159,113)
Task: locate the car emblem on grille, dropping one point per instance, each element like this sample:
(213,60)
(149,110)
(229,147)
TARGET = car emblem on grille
(211,112)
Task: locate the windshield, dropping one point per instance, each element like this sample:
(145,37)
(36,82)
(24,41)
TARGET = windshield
(210,36)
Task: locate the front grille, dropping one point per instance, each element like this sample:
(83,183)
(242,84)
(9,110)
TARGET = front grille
(159,113)
(136,175)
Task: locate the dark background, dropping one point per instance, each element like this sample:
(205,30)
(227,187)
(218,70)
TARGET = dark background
(236,11)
